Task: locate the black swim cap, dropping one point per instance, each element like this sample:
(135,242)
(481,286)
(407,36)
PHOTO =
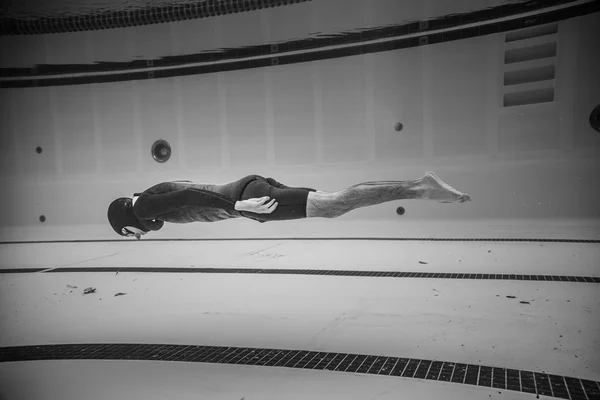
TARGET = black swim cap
(120,215)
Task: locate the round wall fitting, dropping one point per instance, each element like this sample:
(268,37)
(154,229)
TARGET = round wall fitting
(595,118)
(161,151)
(38,150)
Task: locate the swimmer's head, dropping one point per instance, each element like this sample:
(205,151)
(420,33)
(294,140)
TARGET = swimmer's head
(123,220)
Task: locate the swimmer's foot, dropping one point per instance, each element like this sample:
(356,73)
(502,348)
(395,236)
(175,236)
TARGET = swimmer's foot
(436,189)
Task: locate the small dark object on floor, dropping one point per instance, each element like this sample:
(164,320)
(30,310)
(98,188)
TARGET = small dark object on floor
(524,302)
(400,210)
(89,290)
(422,262)
(120,294)
(72,287)
(511,297)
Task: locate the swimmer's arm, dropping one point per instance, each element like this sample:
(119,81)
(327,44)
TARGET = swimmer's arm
(152,206)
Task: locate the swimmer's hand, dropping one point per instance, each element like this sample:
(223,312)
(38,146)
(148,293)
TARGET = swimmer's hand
(258,206)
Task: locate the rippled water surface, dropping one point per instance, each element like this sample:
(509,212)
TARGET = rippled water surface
(25,9)
(33,9)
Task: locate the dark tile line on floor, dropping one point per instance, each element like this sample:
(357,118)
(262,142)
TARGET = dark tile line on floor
(352,273)
(498,378)
(317,239)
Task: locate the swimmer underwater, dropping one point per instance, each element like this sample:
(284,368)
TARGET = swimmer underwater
(261,199)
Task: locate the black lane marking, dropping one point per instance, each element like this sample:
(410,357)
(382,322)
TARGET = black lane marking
(563,387)
(322,239)
(22,270)
(361,273)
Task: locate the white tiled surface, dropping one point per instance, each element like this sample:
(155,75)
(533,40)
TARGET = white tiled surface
(397,227)
(449,320)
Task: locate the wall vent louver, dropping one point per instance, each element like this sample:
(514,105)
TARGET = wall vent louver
(530,65)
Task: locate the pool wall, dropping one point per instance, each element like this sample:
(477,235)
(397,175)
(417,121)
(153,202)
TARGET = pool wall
(502,116)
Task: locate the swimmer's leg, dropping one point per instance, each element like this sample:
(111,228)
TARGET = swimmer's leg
(335,204)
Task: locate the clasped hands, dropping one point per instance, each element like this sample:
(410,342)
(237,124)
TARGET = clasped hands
(259,205)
